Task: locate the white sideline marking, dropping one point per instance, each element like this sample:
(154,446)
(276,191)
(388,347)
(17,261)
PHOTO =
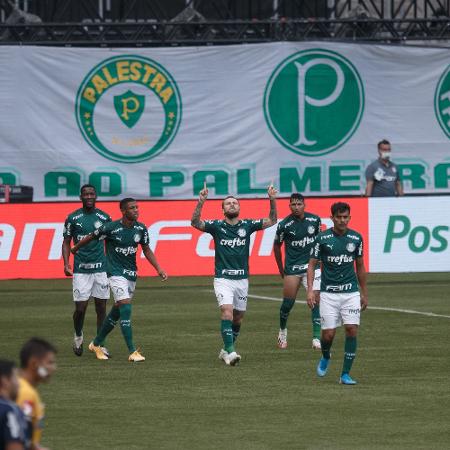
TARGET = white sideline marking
(406,311)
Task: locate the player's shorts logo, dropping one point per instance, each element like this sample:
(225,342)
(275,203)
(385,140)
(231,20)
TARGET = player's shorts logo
(310,230)
(314,102)
(241,232)
(350,247)
(442,102)
(128,108)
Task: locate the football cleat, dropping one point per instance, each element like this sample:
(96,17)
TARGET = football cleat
(347,379)
(222,354)
(136,357)
(282,339)
(322,367)
(78,345)
(231,359)
(97,350)
(106,352)
(316,344)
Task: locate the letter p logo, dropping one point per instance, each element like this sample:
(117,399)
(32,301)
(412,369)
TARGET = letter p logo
(314,102)
(129,107)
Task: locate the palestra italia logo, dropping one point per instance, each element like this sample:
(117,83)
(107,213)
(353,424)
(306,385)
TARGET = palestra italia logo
(442,102)
(313,102)
(128,108)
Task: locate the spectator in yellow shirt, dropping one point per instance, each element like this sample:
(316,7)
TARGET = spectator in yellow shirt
(37,362)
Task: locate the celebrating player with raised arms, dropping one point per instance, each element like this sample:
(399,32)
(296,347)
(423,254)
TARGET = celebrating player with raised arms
(232,243)
(343,292)
(122,239)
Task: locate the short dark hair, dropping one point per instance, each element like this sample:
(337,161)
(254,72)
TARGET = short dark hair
(35,347)
(87,186)
(124,202)
(227,197)
(383,142)
(339,207)
(6,368)
(296,196)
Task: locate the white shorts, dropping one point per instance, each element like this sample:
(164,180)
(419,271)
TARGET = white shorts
(231,292)
(86,285)
(316,282)
(338,309)
(122,288)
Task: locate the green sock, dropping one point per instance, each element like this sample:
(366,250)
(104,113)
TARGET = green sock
(125,326)
(349,354)
(236,327)
(315,318)
(227,335)
(285,309)
(326,346)
(107,326)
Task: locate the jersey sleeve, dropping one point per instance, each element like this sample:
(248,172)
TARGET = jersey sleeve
(316,252)
(145,238)
(102,231)
(11,428)
(370,172)
(210,226)
(318,226)
(360,248)
(279,234)
(256,225)
(68,228)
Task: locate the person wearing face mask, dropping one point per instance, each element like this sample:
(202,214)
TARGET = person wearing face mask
(382,175)
(37,364)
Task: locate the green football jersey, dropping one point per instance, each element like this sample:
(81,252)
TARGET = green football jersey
(232,246)
(90,258)
(298,236)
(338,254)
(122,246)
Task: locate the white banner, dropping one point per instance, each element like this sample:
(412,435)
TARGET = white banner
(409,234)
(156,122)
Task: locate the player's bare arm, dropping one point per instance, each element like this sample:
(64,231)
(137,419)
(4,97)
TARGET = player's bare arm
(362,280)
(151,258)
(196,221)
(82,243)
(272,219)
(66,255)
(278,257)
(311,297)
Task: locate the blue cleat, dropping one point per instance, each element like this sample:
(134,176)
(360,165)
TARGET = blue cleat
(322,367)
(347,379)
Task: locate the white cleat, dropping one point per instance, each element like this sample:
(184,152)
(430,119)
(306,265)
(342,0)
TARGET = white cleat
(282,339)
(316,344)
(222,354)
(106,352)
(231,359)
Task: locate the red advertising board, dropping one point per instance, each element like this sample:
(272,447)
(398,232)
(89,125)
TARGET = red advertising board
(31,235)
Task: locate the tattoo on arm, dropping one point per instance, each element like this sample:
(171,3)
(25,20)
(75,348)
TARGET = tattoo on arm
(196,222)
(272,220)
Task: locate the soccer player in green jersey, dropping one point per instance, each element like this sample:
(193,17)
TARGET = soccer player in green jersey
(298,232)
(343,291)
(122,238)
(232,248)
(89,268)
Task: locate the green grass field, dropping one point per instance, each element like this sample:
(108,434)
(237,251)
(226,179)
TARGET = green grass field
(183,397)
